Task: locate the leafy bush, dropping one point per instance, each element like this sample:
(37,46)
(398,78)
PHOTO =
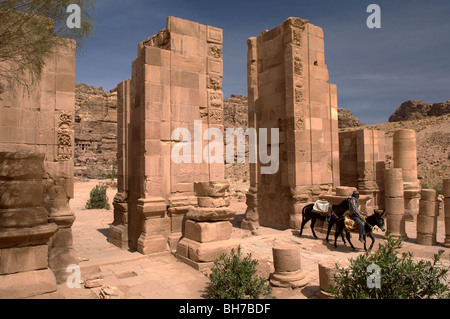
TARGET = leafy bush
(234,277)
(401,277)
(98,198)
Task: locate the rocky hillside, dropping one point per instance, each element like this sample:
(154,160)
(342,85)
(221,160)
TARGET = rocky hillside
(418,109)
(95,131)
(433,146)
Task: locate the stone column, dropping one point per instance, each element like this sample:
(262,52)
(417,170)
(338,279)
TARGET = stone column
(118,233)
(288,269)
(24,230)
(447,211)
(405,157)
(427,218)
(207,229)
(327,269)
(394,201)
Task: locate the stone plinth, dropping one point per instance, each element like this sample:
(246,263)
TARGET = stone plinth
(427,218)
(25,234)
(207,228)
(327,269)
(447,211)
(288,270)
(394,201)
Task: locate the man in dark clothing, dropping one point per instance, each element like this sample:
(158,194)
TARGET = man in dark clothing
(356,214)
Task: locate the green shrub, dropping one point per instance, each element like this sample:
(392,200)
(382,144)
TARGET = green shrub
(401,277)
(98,198)
(234,277)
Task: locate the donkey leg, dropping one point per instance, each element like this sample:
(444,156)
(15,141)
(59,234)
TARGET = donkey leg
(373,240)
(349,241)
(336,235)
(313,222)
(305,220)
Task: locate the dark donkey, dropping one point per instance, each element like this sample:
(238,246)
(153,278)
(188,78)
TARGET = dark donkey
(375,220)
(337,211)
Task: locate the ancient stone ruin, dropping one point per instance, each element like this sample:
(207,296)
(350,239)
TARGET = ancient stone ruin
(176,83)
(36,180)
(172,194)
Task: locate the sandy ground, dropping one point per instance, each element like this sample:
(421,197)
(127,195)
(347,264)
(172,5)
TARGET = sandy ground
(91,229)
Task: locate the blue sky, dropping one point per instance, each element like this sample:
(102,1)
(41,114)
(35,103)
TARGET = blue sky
(375,69)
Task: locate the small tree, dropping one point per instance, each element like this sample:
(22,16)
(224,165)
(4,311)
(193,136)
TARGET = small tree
(399,277)
(30,31)
(98,198)
(234,277)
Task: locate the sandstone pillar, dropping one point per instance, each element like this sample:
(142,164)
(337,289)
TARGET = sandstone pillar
(427,218)
(447,211)
(395,209)
(289,92)
(288,269)
(118,233)
(405,157)
(24,229)
(175,97)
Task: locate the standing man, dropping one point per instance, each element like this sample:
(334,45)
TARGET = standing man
(357,215)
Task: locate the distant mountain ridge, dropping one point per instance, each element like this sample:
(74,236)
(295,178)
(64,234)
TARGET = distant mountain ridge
(418,109)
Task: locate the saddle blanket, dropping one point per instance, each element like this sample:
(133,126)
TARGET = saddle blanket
(321,206)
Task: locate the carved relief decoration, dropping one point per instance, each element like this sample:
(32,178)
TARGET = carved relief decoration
(65,137)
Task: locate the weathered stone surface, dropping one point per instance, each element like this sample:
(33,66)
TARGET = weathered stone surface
(205,232)
(27,284)
(213,202)
(210,214)
(21,165)
(14,260)
(205,252)
(211,189)
(20,194)
(23,217)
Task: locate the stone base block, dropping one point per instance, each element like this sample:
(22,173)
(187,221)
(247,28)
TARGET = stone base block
(395,224)
(213,202)
(205,252)
(199,266)
(210,214)
(426,239)
(173,239)
(326,295)
(14,260)
(206,232)
(293,279)
(249,225)
(151,244)
(118,236)
(426,224)
(27,284)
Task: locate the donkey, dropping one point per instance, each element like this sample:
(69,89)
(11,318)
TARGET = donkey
(337,211)
(375,220)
